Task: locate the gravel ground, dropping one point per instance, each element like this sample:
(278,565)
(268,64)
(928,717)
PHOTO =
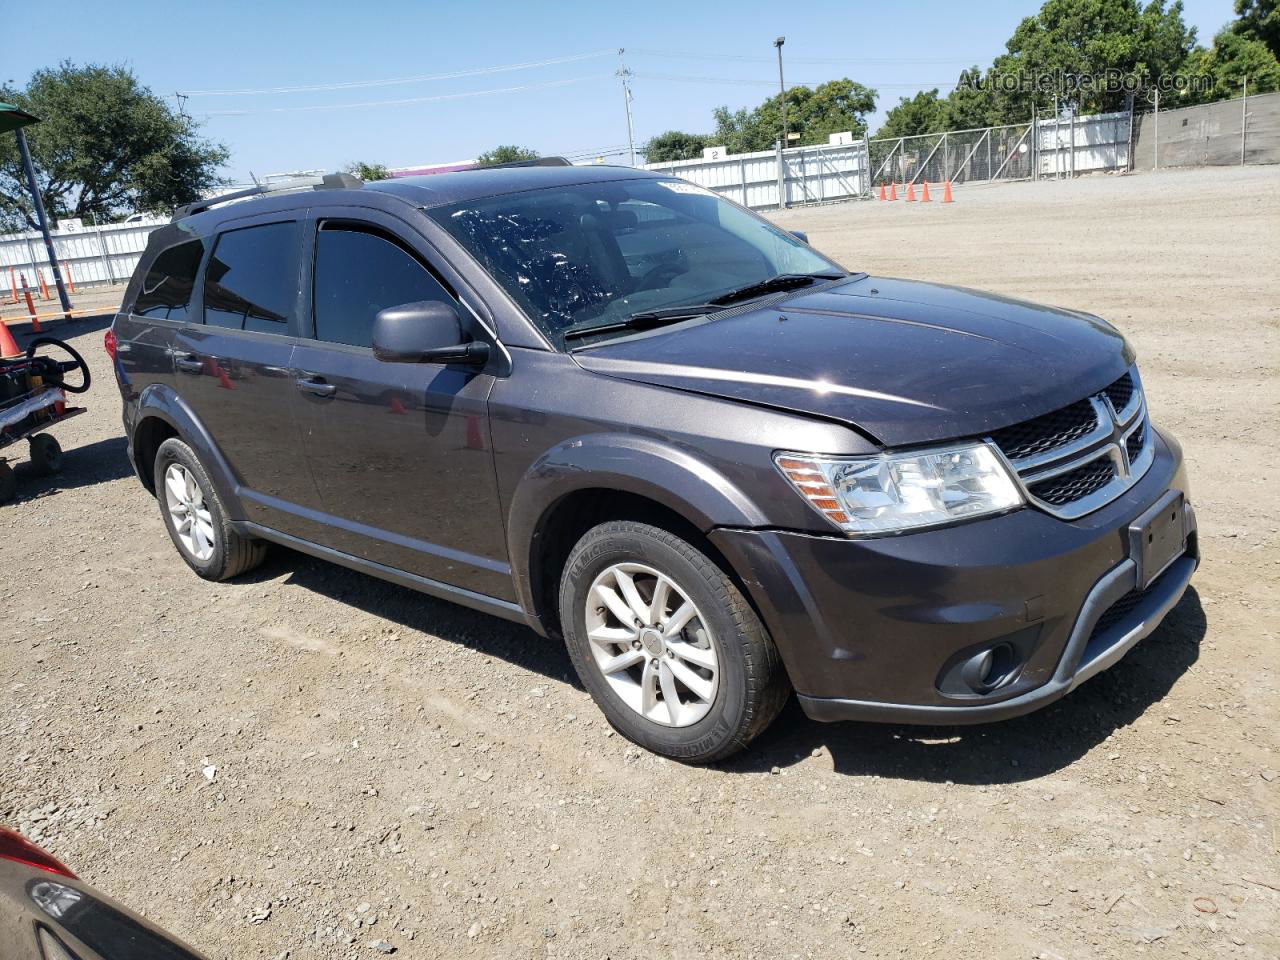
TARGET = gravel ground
(311,763)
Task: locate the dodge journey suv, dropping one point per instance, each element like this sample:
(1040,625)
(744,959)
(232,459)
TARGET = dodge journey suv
(644,421)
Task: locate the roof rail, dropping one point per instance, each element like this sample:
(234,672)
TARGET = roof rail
(330,181)
(538,162)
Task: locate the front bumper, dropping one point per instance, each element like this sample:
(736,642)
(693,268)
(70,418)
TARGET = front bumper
(867,628)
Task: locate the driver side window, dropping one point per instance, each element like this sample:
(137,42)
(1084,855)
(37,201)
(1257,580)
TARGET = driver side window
(359,271)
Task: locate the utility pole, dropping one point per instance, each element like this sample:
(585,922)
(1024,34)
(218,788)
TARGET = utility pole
(624,74)
(782,87)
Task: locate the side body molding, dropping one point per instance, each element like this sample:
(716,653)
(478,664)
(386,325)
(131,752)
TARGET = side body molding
(162,401)
(662,472)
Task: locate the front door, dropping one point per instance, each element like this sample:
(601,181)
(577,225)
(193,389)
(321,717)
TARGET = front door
(400,452)
(232,365)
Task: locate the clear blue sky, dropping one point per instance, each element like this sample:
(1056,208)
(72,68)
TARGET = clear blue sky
(178,46)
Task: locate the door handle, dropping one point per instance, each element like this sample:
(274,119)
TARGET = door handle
(189,362)
(316,387)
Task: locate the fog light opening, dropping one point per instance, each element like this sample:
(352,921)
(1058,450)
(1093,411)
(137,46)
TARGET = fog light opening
(987,670)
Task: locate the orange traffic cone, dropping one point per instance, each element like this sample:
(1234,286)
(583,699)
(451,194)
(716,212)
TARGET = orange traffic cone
(911,192)
(946,192)
(66,269)
(44,287)
(924,193)
(8,345)
(893,190)
(882,196)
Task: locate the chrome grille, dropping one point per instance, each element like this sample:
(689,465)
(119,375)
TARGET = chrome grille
(1082,456)
(1047,432)
(1075,484)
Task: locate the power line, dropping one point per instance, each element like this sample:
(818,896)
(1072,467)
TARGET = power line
(407,100)
(770,83)
(356,84)
(747,58)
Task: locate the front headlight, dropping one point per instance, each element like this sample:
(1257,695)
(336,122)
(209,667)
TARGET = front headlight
(893,492)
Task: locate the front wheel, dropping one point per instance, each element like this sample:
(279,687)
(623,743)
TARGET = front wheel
(666,643)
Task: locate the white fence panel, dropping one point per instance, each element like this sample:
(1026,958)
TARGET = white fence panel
(814,174)
(1084,145)
(94,255)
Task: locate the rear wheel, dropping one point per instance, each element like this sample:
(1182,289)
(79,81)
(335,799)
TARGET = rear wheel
(196,519)
(667,645)
(46,454)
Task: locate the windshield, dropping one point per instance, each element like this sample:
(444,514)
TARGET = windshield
(598,253)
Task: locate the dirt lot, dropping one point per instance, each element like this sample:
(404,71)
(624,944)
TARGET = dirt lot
(389,767)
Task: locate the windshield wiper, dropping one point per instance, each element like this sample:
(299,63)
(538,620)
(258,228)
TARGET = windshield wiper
(645,320)
(783,281)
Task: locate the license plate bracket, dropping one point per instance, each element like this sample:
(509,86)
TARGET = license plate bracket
(1158,537)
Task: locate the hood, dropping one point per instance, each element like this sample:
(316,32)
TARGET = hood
(903,361)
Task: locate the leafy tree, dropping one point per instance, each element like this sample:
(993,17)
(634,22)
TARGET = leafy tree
(107,146)
(1259,20)
(1231,59)
(1078,38)
(507,153)
(926,112)
(832,107)
(368,172)
(675,145)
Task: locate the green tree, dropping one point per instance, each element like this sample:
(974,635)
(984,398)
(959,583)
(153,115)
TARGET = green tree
(675,145)
(814,114)
(507,153)
(368,172)
(107,146)
(926,112)
(1089,38)
(1233,57)
(1259,20)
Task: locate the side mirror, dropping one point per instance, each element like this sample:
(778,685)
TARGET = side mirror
(800,235)
(427,331)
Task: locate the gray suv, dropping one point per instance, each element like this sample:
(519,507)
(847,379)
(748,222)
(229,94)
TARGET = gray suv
(639,418)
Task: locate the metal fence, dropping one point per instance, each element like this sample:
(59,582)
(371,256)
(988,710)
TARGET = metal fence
(93,256)
(986,153)
(1229,132)
(799,175)
(820,174)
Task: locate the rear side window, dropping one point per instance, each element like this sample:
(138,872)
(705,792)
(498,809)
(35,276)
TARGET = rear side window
(359,272)
(251,282)
(167,287)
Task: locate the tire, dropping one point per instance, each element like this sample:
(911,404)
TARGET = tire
(209,545)
(8,483)
(46,454)
(721,665)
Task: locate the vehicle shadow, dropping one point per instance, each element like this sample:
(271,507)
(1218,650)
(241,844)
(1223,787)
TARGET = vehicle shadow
(23,334)
(482,632)
(1013,751)
(82,466)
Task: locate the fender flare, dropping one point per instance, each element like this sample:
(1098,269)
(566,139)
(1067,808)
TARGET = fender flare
(667,474)
(162,402)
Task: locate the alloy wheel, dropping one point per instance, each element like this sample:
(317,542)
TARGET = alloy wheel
(192,521)
(652,645)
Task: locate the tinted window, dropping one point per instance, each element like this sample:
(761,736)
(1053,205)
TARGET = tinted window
(166,289)
(358,273)
(252,278)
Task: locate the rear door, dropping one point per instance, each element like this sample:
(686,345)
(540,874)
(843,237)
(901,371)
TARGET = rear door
(400,452)
(233,365)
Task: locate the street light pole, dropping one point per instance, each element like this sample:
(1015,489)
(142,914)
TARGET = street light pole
(782,87)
